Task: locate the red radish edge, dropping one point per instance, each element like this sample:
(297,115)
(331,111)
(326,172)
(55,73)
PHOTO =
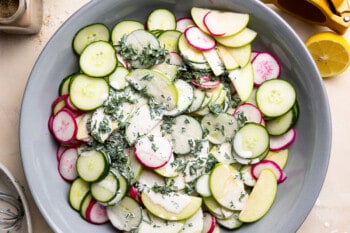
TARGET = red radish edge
(58,99)
(64,126)
(251,112)
(268,164)
(198,39)
(207,84)
(282,141)
(96,213)
(209,222)
(265,67)
(153,151)
(183,23)
(59,151)
(254,54)
(175,59)
(210,30)
(134,193)
(67,164)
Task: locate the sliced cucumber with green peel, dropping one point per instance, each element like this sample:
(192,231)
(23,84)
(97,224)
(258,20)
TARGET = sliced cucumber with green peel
(251,141)
(275,97)
(219,128)
(184,130)
(168,39)
(92,165)
(161,19)
(87,93)
(185,97)
(105,189)
(98,59)
(89,34)
(126,215)
(124,27)
(77,192)
(156,85)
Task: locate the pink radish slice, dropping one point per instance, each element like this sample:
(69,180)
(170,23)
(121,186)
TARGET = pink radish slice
(58,99)
(64,126)
(265,67)
(282,141)
(71,107)
(153,151)
(198,39)
(96,213)
(209,223)
(183,23)
(204,82)
(250,111)
(60,149)
(134,193)
(49,123)
(67,164)
(254,54)
(267,164)
(175,59)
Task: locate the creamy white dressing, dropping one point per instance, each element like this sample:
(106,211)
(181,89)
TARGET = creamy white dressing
(173,203)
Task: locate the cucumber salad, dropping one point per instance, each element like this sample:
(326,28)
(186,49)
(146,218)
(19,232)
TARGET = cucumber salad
(173,124)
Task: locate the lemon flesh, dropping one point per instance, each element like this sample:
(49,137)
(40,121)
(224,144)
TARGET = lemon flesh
(331,53)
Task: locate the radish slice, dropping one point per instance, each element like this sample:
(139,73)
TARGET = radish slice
(250,111)
(153,151)
(49,123)
(268,164)
(64,126)
(134,193)
(60,149)
(198,39)
(67,164)
(209,223)
(204,82)
(175,59)
(253,55)
(96,213)
(282,141)
(71,107)
(265,67)
(183,23)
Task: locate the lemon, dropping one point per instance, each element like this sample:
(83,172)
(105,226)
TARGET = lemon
(330,51)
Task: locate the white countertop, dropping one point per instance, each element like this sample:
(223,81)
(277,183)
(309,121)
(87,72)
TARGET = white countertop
(331,213)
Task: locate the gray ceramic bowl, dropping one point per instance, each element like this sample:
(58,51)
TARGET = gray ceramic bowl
(309,154)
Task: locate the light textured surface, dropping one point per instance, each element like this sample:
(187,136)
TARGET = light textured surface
(18,53)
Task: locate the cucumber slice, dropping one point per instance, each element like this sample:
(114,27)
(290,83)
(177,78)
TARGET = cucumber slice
(168,40)
(63,89)
(123,187)
(124,27)
(88,93)
(281,124)
(89,34)
(117,78)
(275,97)
(161,19)
(155,85)
(77,192)
(98,59)
(185,97)
(251,141)
(105,189)
(141,49)
(126,215)
(198,98)
(219,128)
(184,130)
(92,165)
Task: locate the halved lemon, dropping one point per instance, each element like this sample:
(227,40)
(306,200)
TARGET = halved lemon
(330,51)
